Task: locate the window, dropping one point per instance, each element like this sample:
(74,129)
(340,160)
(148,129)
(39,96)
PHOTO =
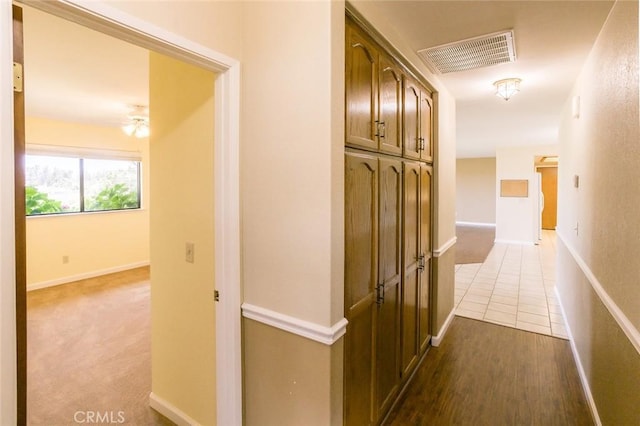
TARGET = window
(59,184)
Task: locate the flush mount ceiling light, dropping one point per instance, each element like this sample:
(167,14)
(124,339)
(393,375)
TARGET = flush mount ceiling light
(507,87)
(138,124)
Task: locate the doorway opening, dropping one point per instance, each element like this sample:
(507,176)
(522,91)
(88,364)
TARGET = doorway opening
(226,178)
(546,167)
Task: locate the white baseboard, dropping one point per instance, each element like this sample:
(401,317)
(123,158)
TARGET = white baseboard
(436,340)
(86,275)
(515,242)
(170,411)
(581,372)
(479,224)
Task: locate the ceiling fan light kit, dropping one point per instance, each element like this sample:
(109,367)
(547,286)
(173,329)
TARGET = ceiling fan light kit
(138,124)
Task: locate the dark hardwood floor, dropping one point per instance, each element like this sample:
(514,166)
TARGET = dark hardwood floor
(486,374)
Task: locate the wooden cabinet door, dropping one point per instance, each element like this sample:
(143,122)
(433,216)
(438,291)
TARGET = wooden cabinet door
(426,126)
(361,85)
(389,277)
(426,179)
(410,265)
(411,118)
(361,267)
(390,107)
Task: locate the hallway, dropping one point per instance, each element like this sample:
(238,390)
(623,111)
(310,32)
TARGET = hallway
(485,374)
(506,359)
(514,287)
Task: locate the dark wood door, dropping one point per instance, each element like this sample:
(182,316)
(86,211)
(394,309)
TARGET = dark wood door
(361,267)
(389,278)
(390,117)
(410,265)
(426,179)
(411,114)
(550,191)
(426,120)
(361,90)
(20,224)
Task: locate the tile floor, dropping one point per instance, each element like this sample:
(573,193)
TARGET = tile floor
(513,287)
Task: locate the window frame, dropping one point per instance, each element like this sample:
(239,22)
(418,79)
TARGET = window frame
(82,154)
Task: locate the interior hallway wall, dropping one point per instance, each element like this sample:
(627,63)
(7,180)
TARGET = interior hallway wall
(599,221)
(476,190)
(183,340)
(516,217)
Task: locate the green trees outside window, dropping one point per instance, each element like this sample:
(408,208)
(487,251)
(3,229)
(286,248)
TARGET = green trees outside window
(39,202)
(58,184)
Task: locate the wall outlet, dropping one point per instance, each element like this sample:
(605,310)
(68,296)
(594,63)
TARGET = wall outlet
(189,252)
(65,259)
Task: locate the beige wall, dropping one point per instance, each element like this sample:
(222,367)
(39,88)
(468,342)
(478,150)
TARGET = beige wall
(293,388)
(183,346)
(292,109)
(292,207)
(476,190)
(96,242)
(599,285)
(214,24)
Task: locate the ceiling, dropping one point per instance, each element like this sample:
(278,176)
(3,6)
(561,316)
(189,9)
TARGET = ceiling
(75,74)
(552,38)
(79,75)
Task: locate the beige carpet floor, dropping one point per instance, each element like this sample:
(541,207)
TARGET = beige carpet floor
(474,243)
(89,352)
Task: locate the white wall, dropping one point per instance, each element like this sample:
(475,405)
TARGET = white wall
(476,190)
(95,243)
(516,218)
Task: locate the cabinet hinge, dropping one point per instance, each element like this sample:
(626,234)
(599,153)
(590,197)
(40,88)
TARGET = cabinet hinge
(216,295)
(17,77)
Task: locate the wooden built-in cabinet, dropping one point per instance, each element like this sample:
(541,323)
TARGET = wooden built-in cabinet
(373,96)
(418,114)
(388,195)
(361,276)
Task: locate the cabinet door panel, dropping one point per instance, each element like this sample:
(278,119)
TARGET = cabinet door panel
(411,114)
(358,391)
(390,107)
(426,179)
(390,256)
(411,271)
(361,91)
(361,263)
(426,131)
(425,254)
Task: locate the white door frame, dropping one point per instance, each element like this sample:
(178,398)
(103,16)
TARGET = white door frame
(104,18)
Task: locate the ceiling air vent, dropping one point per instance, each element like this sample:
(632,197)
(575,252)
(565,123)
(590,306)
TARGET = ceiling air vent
(472,53)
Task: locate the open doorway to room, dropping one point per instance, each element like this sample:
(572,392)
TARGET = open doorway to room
(87,207)
(200,110)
